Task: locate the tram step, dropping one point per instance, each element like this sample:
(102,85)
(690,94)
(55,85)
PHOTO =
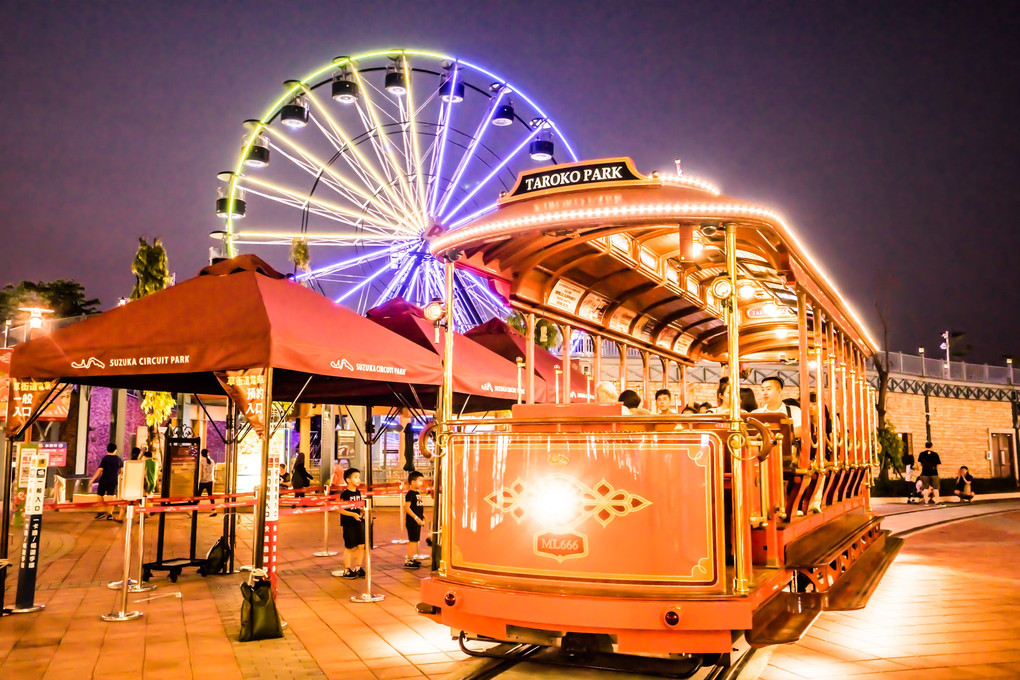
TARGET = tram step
(785,618)
(854,588)
(824,544)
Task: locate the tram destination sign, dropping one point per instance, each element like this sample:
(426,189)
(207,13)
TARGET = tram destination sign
(575,175)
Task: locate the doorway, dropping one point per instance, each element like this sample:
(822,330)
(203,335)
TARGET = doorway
(1002,454)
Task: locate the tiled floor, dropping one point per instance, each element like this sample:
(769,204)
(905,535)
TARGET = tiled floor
(193,636)
(948,608)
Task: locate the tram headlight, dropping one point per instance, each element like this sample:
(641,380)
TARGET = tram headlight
(745,289)
(555,503)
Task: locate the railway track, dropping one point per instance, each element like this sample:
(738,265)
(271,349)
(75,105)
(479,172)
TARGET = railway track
(528,662)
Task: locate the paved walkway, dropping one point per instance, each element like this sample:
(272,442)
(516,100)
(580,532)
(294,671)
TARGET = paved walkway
(194,635)
(947,609)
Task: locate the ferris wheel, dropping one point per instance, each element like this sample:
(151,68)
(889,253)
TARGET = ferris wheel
(362,161)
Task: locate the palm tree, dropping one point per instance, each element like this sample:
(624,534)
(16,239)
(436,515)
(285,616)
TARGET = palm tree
(152,274)
(151,269)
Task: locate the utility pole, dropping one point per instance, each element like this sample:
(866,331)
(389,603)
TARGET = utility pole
(945,346)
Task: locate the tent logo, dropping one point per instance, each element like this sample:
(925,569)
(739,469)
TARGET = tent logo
(87,363)
(487,387)
(342,364)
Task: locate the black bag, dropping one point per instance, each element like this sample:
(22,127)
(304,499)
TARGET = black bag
(216,559)
(259,619)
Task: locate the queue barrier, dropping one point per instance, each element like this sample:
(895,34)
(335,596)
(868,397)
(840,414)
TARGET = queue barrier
(294,506)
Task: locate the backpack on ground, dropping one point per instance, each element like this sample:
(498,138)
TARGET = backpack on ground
(216,559)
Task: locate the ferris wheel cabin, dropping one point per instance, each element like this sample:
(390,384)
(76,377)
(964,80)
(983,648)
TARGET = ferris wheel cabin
(657,534)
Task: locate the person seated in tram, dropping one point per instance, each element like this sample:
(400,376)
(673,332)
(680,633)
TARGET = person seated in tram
(605,393)
(689,409)
(814,427)
(703,407)
(631,401)
(773,391)
(748,402)
(664,402)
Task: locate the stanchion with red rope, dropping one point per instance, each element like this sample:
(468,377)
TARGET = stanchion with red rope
(123,614)
(325,552)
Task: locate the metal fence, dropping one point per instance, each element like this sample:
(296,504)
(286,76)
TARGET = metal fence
(912,364)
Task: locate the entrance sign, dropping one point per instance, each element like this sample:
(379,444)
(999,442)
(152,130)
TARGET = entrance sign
(183,466)
(56,452)
(34,464)
(575,175)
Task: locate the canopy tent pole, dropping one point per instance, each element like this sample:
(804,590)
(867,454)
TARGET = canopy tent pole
(230,458)
(258,557)
(568,333)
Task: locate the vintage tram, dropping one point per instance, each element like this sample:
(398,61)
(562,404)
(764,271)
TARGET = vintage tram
(579,524)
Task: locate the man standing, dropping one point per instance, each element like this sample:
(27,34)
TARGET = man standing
(772,388)
(930,462)
(107,475)
(664,402)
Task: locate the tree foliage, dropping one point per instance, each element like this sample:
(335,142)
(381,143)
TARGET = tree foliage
(299,254)
(547,334)
(157,407)
(891,455)
(64,296)
(151,268)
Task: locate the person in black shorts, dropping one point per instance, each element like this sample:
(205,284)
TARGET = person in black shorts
(108,474)
(414,518)
(930,462)
(352,521)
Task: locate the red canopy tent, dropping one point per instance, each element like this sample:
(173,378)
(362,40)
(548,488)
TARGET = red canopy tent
(239,322)
(476,368)
(497,336)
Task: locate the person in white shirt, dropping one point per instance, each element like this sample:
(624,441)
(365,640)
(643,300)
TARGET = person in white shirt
(773,391)
(206,477)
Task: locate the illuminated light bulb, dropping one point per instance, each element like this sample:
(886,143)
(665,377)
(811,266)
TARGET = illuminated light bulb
(812,364)
(35,322)
(722,288)
(782,333)
(770,308)
(745,289)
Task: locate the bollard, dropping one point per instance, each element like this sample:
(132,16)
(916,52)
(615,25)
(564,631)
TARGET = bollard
(140,586)
(122,614)
(325,552)
(368,595)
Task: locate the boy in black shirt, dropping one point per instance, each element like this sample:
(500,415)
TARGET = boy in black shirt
(353,525)
(414,518)
(964,490)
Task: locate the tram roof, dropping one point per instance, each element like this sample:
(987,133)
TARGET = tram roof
(605,248)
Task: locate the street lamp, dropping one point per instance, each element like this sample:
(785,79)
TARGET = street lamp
(920,350)
(35,318)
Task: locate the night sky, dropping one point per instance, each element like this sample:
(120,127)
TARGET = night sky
(886,132)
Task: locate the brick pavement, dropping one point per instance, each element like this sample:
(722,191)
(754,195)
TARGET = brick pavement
(194,636)
(947,609)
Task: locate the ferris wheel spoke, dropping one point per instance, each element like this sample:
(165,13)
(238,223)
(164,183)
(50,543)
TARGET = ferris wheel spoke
(436,171)
(493,173)
(364,282)
(316,166)
(476,139)
(354,217)
(415,147)
(351,262)
(339,132)
(371,108)
(319,175)
(403,271)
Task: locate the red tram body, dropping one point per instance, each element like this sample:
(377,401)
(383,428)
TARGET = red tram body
(657,534)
